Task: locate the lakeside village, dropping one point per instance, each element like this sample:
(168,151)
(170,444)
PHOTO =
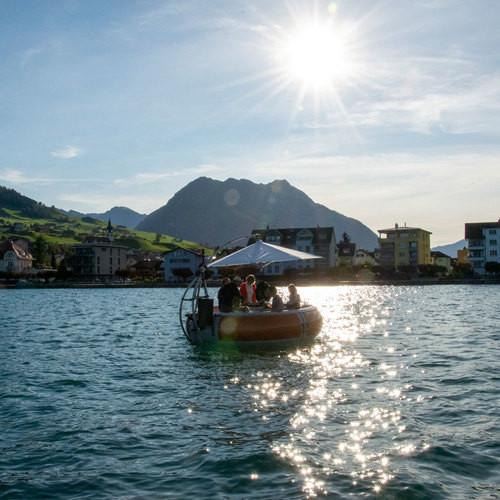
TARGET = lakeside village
(403,254)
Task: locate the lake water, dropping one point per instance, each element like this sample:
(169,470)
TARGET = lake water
(101,396)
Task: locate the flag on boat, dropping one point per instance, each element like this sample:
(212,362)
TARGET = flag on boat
(260,253)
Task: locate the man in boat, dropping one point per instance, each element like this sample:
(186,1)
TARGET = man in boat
(229,295)
(263,292)
(248,290)
(277,302)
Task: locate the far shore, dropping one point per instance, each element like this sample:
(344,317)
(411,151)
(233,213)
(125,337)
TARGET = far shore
(212,284)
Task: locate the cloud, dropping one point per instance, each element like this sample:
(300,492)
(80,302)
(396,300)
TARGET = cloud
(13,176)
(67,152)
(430,190)
(155,177)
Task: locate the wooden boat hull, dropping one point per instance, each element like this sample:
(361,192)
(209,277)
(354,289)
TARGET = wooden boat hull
(291,326)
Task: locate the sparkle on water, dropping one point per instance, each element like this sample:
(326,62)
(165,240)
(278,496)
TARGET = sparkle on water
(370,406)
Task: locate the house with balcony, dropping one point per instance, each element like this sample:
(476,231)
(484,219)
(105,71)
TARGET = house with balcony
(98,258)
(315,240)
(483,244)
(404,246)
(181,264)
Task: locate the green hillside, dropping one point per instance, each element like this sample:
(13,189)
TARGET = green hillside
(22,217)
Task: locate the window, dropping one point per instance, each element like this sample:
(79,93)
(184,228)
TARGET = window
(493,243)
(492,231)
(493,253)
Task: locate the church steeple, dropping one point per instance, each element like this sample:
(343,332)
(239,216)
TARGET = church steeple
(110,230)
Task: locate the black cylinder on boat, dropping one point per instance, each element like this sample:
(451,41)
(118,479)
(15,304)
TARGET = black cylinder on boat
(205,312)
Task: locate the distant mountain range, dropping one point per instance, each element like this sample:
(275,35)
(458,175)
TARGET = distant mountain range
(122,216)
(451,249)
(214,212)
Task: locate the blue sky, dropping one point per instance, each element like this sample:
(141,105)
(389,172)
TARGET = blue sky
(125,102)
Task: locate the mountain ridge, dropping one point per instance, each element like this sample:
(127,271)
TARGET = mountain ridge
(214,212)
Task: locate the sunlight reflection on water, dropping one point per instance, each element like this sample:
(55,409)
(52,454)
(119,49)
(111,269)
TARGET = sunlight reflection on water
(338,383)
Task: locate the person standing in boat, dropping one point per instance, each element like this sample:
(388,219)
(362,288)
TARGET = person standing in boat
(229,295)
(294,297)
(248,291)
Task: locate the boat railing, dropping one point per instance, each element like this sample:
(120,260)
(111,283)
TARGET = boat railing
(195,290)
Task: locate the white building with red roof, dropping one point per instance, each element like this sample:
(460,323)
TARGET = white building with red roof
(14,258)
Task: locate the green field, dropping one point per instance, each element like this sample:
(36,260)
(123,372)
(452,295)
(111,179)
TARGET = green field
(64,231)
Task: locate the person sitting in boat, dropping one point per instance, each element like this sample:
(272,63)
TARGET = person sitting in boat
(248,291)
(277,302)
(294,297)
(263,292)
(229,295)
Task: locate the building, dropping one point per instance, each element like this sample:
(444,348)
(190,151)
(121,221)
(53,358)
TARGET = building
(14,258)
(483,243)
(346,251)
(404,246)
(315,240)
(463,256)
(364,258)
(441,259)
(98,257)
(181,264)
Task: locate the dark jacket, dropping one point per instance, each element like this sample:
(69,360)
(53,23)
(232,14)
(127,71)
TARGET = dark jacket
(227,295)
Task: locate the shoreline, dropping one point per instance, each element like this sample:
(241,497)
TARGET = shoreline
(213,284)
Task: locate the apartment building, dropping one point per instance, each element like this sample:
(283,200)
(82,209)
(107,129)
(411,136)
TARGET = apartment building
(404,246)
(483,244)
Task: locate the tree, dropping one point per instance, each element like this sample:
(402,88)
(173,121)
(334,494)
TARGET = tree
(157,238)
(41,251)
(492,267)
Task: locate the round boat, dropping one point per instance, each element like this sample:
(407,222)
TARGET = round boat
(254,327)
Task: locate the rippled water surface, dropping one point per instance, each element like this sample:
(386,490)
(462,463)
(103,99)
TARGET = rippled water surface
(101,396)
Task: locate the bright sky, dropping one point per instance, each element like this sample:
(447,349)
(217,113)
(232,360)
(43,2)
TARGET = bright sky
(386,111)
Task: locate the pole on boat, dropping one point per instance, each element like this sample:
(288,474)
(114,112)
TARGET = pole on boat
(195,286)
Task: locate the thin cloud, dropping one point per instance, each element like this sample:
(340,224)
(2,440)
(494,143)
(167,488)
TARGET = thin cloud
(13,176)
(144,178)
(100,202)
(67,152)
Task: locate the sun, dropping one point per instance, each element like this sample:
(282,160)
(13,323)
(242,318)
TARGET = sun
(316,54)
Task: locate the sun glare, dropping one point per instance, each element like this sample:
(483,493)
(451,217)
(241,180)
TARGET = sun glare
(316,55)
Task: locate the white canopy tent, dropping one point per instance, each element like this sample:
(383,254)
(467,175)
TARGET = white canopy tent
(260,253)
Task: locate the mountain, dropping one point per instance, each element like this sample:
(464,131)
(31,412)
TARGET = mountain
(122,216)
(451,249)
(214,212)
